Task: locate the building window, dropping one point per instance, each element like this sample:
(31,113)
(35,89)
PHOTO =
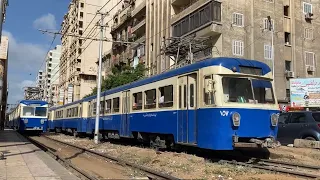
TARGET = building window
(82,5)
(267,51)
(307,8)
(266,24)
(237,48)
(81,24)
(309,59)
(238,19)
(288,65)
(287,38)
(288,93)
(286,10)
(308,33)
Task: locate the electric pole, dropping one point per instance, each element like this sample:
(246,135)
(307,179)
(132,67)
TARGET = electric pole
(96,130)
(271,29)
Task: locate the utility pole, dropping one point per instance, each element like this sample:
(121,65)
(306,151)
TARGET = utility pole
(96,130)
(271,29)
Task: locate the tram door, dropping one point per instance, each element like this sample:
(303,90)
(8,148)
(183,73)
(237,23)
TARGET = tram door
(124,129)
(187,121)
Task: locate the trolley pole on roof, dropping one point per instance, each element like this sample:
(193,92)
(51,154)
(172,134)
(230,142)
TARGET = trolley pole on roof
(96,130)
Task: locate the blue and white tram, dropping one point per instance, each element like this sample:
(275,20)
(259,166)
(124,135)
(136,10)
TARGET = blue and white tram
(218,104)
(29,115)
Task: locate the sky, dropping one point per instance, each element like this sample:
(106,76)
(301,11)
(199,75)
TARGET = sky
(27,45)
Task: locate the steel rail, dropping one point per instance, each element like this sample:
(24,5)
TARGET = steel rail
(57,158)
(305,166)
(272,168)
(150,172)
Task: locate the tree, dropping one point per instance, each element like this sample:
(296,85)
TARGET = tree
(121,74)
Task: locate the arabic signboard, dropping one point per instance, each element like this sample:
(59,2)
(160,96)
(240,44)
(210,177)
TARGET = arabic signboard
(305,92)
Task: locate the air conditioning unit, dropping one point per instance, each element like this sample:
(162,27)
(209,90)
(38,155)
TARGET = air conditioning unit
(308,16)
(310,69)
(289,74)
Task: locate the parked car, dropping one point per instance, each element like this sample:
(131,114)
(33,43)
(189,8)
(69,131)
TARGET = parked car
(299,125)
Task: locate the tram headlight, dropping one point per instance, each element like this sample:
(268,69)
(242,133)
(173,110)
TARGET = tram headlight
(25,121)
(42,121)
(236,119)
(274,119)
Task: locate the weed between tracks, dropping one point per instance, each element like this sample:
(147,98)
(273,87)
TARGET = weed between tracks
(182,165)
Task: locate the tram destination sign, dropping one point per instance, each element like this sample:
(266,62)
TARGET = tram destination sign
(250,70)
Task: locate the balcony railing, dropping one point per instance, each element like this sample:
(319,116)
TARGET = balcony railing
(138,25)
(211,12)
(138,8)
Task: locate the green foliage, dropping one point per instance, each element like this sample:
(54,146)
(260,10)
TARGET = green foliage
(121,75)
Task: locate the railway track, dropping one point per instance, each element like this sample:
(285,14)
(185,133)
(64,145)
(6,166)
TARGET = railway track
(150,173)
(295,169)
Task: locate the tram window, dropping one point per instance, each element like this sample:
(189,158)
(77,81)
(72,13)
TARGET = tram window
(116,105)
(28,111)
(108,106)
(94,111)
(137,101)
(240,90)
(150,99)
(166,96)
(263,92)
(180,97)
(89,110)
(208,91)
(191,95)
(76,112)
(41,111)
(101,107)
(237,90)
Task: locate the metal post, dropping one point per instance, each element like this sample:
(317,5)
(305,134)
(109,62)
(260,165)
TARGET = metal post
(272,45)
(96,130)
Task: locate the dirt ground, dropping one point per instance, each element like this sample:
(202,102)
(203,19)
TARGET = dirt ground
(297,155)
(187,166)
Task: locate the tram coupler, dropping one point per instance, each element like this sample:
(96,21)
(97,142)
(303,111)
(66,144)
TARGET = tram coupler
(266,143)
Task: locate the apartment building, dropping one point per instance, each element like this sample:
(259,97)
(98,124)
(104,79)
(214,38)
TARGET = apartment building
(51,75)
(40,79)
(78,67)
(211,28)
(139,27)
(4,47)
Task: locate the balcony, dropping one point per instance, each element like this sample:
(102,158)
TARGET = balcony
(138,8)
(182,3)
(201,16)
(190,9)
(138,25)
(138,42)
(122,16)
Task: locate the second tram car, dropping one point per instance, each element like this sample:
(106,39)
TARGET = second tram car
(29,115)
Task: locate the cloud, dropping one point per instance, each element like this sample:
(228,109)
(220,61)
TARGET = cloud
(24,60)
(47,21)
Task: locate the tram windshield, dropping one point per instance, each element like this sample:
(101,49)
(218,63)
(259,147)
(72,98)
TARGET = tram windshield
(34,111)
(247,90)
